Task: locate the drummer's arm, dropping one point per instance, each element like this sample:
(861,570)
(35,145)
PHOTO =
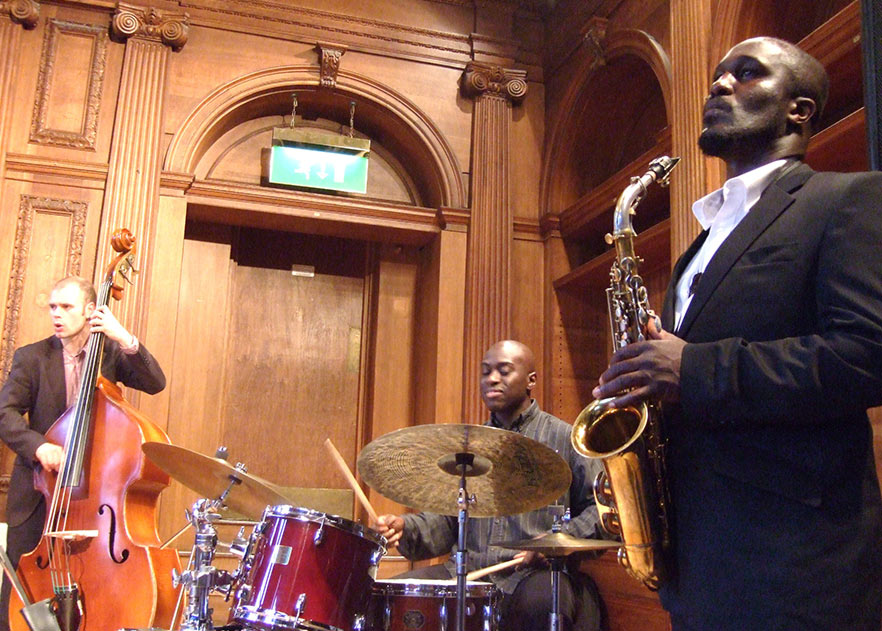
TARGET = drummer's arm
(426,535)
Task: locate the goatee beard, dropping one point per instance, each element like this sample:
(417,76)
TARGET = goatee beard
(736,142)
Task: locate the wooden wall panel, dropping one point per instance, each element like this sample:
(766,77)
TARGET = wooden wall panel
(397,331)
(438,351)
(527,306)
(162,300)
(196,375)
(67,87)
(66,106)
(292,367)
(47,232)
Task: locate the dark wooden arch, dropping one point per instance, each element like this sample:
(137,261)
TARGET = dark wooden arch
(629,46)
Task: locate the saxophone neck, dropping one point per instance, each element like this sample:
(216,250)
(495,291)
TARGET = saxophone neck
(659,171)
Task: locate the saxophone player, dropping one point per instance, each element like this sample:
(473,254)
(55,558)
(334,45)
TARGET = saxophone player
(774,356)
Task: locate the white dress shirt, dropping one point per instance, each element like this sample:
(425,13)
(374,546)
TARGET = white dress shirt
(719,213)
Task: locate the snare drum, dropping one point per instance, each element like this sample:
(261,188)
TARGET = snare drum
(307,570)
(411,604)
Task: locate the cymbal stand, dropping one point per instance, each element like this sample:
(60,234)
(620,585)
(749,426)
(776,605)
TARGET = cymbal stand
(557,565)
(464,463)
(201,576)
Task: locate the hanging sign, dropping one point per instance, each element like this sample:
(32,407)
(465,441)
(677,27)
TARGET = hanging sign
(318,160)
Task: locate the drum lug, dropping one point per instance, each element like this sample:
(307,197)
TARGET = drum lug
(319,534)
(442,614)
(387,615)
(377,555)
(240,546)
(299,606)
(358,623)
(488,618)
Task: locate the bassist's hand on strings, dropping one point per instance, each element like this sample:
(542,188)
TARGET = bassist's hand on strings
(49,455)
(644,370)
(103,321)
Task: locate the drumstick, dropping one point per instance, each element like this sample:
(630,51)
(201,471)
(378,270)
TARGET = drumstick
(475,575)
(344,469)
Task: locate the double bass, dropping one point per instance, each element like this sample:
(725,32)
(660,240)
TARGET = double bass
(99,558)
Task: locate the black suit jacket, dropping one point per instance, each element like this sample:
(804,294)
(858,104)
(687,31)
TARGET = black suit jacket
(35,387)
(778,518)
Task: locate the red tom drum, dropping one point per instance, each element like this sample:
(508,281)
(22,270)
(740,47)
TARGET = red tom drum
(304,569)
(410,604)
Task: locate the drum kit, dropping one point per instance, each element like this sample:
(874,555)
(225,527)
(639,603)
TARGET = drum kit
(301,569)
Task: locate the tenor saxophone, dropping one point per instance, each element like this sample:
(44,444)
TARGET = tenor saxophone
(632,491)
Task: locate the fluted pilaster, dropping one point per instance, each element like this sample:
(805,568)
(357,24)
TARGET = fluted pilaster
(488,259)
(690,26)
(132,191)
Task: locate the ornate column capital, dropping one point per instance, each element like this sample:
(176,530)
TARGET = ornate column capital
(329,61)
(25,12)
(172,29)
(481,79)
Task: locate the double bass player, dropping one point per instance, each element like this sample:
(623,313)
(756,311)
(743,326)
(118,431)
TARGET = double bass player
(42,383)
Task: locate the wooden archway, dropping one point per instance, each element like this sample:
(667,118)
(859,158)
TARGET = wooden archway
(384,113)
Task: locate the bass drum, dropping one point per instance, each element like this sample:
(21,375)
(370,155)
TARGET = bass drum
(304,569)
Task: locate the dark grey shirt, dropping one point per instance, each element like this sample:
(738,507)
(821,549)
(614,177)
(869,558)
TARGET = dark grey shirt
(427,535)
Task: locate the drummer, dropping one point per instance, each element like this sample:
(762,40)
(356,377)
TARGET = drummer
(508,375)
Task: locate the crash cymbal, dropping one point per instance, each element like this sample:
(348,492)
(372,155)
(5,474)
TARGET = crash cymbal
(210,477)
(509,473)
(559,544)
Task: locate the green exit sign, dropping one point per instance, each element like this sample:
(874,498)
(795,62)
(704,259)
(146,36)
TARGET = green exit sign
(315,168)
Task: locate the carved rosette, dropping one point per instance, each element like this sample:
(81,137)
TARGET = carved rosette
(329,59)
(480,79)
(24,12)
(172,29)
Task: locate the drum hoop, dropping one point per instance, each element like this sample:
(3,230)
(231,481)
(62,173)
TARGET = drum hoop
(279,620)
(435,590)
(287,511)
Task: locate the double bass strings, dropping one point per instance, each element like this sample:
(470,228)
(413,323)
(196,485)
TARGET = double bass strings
(58,530)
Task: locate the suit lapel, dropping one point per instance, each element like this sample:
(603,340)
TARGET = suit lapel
(774,200)
(667,314)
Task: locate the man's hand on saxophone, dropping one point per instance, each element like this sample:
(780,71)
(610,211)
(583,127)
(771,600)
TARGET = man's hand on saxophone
(644,371)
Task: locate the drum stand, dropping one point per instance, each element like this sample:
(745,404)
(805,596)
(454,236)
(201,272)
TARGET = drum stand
(201,576)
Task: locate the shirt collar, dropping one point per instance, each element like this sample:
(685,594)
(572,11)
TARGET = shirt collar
(521,421)
(742,191)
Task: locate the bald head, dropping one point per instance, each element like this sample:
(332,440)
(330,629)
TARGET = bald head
(508,375)
(808,75)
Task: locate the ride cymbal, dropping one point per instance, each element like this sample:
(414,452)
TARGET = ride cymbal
(558,544)
(506,472)
(209,477)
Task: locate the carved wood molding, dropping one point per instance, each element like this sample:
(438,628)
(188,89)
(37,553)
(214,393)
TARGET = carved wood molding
(285,17)
(481,79)
(24,12)
(55,167)
(41,133)
(171,29)
(456,219)
(27,208)
(329,61)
